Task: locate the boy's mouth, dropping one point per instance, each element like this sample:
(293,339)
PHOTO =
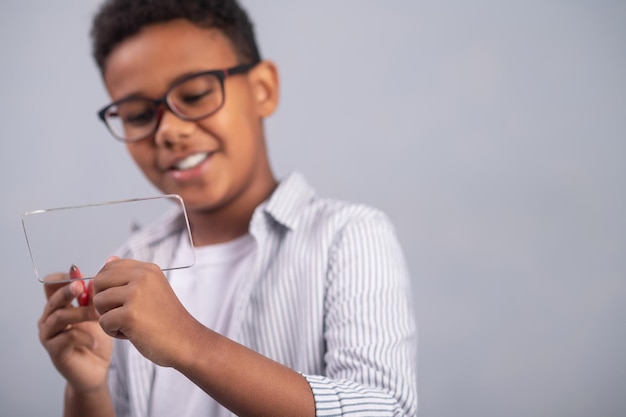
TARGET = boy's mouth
(191,161)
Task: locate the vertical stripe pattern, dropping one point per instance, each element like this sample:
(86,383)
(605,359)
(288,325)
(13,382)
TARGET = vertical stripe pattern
(328,297)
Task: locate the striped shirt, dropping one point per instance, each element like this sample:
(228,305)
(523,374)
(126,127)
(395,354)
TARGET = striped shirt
(328,296)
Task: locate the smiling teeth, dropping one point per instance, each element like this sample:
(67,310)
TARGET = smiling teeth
(191,161)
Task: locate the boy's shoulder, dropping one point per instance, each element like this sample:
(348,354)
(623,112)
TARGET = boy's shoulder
(296,204)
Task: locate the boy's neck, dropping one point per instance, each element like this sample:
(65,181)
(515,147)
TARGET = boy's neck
(224,224)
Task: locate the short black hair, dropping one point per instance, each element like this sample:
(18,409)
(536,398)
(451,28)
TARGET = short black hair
(116,20)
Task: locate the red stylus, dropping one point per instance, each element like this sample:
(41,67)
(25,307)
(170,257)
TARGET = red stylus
(83,298)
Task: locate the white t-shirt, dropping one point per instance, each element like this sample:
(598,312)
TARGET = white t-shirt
(207,290)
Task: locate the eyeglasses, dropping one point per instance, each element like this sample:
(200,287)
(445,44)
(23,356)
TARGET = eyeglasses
(191,98)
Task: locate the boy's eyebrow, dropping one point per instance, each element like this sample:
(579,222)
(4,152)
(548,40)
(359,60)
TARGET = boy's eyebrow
(130,96)
(199,71)
(137,94)
(178,78)
(185,75)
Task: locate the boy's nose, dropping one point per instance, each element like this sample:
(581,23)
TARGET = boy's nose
(171,129)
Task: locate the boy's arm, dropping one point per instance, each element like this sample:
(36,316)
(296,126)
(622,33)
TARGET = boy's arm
(136,302)
(369,334)
(370,337)
(95,403)
(244,381)
(370,331)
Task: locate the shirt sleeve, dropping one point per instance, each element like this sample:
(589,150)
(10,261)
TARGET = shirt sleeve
(370,331)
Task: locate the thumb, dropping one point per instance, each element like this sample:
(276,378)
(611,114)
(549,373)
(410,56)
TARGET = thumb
(108,261)
(92,285)
(111,259)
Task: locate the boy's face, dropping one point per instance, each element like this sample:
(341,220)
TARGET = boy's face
(211,162)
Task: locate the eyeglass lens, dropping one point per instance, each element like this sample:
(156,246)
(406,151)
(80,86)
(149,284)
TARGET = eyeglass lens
(192,99)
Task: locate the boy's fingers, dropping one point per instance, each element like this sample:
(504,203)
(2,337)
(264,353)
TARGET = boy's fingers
(63,319)
(49,285)
(113,323)
(76,338)
(63,297)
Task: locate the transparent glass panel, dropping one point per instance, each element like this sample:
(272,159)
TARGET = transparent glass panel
(87,235)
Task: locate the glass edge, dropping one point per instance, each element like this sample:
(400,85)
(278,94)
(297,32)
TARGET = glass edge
(104,203)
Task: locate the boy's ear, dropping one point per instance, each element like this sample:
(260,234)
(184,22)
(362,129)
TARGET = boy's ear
(265,87)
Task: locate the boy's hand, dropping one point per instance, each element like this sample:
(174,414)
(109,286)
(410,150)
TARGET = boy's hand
(78,347)
(136,302)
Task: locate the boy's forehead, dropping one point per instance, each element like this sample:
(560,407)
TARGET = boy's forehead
(165,51)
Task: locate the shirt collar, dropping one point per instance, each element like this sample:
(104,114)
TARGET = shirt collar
(284,207)
(287,202)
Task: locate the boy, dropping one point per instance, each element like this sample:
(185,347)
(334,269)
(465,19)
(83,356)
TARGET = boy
(297,305)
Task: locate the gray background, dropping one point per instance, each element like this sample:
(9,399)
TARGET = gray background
(492,133)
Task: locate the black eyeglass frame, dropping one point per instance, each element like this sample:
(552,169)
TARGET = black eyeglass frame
(220,74)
